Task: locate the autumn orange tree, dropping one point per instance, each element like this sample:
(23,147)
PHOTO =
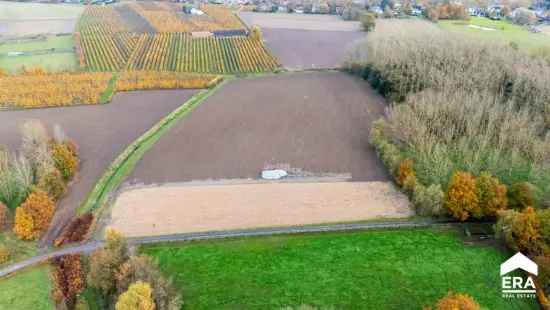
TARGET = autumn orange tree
(34,215)
(520,230)
(491,194)
(69,279)
(65,160)
(461,199)
(456,301)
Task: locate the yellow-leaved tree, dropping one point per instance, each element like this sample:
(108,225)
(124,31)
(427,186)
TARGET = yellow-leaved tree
(139,296)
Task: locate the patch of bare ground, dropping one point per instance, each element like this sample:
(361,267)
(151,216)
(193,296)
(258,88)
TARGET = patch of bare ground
(299,21)
(317,122)
(101,131)
(166,210)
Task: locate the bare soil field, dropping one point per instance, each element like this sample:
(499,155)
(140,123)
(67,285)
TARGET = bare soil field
(299,21)
(19,19)
(134,21)
(186,209)
(301,41)
(306,49)
(101,131)
(317,122)
(11,28)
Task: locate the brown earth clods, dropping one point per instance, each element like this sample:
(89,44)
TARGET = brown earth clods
(317,122)
(101,131)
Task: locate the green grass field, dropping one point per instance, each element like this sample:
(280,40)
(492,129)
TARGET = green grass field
(51,62)
(390,269)
(28,289)
(504,32)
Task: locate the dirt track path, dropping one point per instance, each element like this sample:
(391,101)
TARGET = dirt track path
(101,131)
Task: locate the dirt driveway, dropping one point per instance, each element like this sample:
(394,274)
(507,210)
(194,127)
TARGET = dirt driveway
(170,210)
(101,131)
(317,122)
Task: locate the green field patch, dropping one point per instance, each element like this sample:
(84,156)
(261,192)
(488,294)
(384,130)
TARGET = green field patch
(498,31)
(28,289)
(53,53)
(390,269)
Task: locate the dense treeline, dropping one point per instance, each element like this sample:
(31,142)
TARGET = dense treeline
(467,133)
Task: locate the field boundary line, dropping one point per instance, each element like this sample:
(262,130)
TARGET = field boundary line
(90,246)
(126,160)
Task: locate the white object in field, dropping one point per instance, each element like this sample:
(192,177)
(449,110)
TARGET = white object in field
(274,174)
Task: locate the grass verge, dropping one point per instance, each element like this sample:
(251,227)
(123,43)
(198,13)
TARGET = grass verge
(19,249)
(28,289)
(126,161)
(383,269)
(109,92)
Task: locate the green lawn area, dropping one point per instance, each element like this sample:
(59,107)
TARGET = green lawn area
(504,31)
(386,269)
(19,250)
(28,289)
(51,62)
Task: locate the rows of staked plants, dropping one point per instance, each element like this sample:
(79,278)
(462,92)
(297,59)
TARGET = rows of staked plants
(139,80)
(163,17)
(103,40)
(182,53)
(467,134)
(36,88)
(105,44)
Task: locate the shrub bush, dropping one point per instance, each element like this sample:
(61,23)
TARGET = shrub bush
(461,199)
(4,254)
(491,194)
(429,200)
(65,160)
(521,195)
(76,231)
(143,268)
(388,153)
(53,184)
(105,263)
(4,216)
(69,278)
(34,215)
(405,176)
(16,179)
(544,220)
(41,207)
(138,297)
(24,225)
(455,301)
(523,16)
(368,21)
(519,230)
